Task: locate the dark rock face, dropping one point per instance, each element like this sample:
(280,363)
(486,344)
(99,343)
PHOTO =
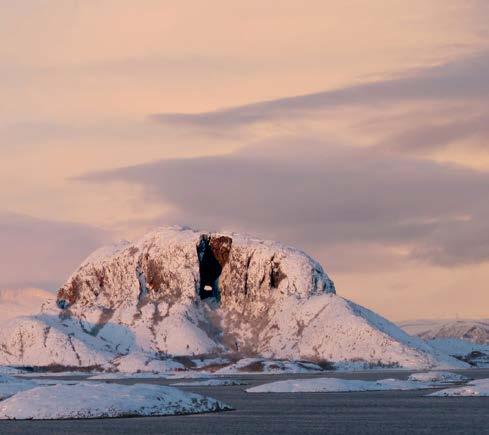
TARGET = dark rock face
(221,247)
(69,294)
(161,281)
(213,252)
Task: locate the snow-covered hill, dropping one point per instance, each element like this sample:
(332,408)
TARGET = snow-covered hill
(467,340)
(178,292)
(476,331)
(101,400)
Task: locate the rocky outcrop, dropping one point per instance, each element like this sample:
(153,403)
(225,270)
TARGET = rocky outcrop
(181,292)
(174,263)
(214,290)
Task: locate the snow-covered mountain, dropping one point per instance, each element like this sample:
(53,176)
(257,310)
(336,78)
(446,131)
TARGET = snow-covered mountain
(465,339)
(475,331)
(178,292)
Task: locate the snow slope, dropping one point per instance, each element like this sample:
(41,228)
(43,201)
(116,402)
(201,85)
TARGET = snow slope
(335,385)
(479,387)
(10,386)
(473,353)
(467,340)
(438,377)
(94,400)
(180,292)
(211,383)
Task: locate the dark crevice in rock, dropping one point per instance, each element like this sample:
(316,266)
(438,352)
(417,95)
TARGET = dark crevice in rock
(213,253)
(276,273)
(70,341)
(246,284)
(143,290)
(21,344)
(45,334)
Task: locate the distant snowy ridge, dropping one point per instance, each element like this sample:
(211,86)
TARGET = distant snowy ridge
(474,330)
(335,385)
(416,381)
(178,292)
(465,339)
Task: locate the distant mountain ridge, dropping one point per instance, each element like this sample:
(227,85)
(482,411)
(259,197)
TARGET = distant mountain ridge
(473,330)
(465,339)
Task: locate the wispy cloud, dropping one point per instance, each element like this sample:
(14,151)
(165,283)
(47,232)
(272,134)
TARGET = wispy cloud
(436,134)
(311,192)
(462,78)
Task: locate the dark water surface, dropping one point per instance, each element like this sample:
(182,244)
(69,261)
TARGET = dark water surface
(387,412)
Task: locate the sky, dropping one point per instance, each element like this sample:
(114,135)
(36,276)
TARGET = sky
(355,130)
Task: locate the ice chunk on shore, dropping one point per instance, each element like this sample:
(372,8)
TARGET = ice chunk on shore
(438,377)
(335,385)
(479,387)
(211,383)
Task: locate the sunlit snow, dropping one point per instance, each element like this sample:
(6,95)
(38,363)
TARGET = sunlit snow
(95,400)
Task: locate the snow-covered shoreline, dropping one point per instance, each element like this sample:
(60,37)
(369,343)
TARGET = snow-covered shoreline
(418,381)
(102,400)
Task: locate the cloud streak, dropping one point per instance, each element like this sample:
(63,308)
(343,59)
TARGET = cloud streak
(310,192)
(437,134)
(464,78)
